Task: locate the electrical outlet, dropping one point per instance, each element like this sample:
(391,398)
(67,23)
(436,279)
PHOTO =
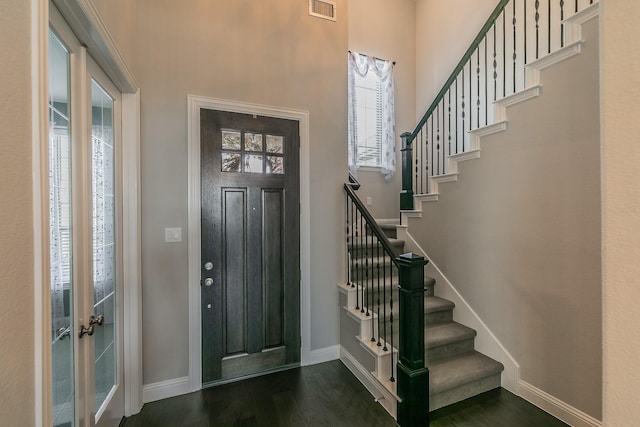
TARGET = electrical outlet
(369,201)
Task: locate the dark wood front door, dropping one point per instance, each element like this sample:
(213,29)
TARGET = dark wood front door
(250,244)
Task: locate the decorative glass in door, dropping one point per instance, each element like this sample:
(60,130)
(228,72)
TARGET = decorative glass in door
(104,244)
(60,233)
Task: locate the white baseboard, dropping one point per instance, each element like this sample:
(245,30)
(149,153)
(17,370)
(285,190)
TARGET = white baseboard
(165,389)
(556,407)
(379,393)
(322,355)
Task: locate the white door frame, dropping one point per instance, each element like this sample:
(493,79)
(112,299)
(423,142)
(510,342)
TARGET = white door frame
(86,23)
(194,104)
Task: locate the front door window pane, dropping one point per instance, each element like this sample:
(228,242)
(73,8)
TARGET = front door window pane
(104,253)
(60,232)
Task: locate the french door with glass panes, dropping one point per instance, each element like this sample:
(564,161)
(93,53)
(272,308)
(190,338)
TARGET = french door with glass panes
(86,386)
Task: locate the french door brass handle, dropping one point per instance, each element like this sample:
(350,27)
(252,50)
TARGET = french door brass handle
(93,320)
(85,331)
(96,320)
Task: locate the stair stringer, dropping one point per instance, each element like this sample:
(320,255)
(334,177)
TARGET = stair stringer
(368,363)
(485,342)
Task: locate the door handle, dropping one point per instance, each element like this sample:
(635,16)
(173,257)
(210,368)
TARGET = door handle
(96,320)
(93,320)
(85,331)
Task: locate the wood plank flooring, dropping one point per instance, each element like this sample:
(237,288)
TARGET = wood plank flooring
(321,395)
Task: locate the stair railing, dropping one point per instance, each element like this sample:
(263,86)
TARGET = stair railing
(517,33)
(371,261)
(371,264)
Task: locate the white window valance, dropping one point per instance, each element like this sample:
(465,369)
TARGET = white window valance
(360,66)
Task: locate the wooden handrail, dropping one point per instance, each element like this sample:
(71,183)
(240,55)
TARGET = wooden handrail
(371,223)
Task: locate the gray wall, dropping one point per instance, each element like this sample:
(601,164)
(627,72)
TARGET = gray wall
(16,234)
(269,53)
(444,31)
(120,17)
(387,30)
(519,234)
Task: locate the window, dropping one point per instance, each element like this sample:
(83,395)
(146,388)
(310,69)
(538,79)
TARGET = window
(368,120)
(371,114)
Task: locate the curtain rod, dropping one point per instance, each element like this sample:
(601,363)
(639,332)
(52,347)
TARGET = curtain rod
(375,57)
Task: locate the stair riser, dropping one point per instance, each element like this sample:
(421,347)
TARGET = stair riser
(439,317)
(373,291)
(389,231)
(448,351)
(359,252)
(436,318)
(465,391)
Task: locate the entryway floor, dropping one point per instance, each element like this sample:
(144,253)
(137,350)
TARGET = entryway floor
(326,394)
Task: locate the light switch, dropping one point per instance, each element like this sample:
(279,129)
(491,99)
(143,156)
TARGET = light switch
(369,201)
(173,234)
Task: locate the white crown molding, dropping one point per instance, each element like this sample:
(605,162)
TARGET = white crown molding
(85,21)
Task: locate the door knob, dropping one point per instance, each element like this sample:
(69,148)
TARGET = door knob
(208,281)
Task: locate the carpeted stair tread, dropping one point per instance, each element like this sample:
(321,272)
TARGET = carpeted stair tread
(433,304)
(450,373)
(446,333)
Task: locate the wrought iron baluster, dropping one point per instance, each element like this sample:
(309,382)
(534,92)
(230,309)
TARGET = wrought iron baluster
(347,238)
(449,118)
(504,53)
(514,46)
(549,20)
(576,11)
(356,244)
(495,66)
(384,307)
(434,166)
(367,268)
(462,114)
(443,150)
(478,87)
(353,285)
(438,137)
(416,168)
(363,262)
(456,114)
(526,30)
(378,294)
(486,84)
(464,147)
(561,23)
(537,19)
(360,269)
(392,379)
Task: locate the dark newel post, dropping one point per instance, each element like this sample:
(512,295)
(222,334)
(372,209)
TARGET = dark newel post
(406,195)
(412,375)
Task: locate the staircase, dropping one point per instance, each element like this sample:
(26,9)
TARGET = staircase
(457,370)
(460,118)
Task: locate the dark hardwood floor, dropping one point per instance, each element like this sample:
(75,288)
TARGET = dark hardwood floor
(321,395)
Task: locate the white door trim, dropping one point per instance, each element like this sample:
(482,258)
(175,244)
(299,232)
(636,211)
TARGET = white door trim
(195,103)
(102,46)
(39,169)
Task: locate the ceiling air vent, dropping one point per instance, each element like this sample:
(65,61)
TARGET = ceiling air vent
(323,9)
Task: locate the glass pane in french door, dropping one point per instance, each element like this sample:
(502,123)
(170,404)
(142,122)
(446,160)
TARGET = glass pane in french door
(104,255)
(60,235)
